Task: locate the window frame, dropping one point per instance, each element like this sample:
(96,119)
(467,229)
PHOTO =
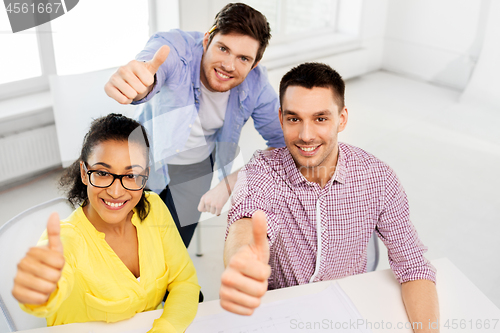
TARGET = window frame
(343,36)
(47,64)
(283,38)
(47,60)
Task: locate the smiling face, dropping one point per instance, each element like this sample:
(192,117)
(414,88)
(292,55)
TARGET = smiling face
(311,121)
(113,205)
(227,61)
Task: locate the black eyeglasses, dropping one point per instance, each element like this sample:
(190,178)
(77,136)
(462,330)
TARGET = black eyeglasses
(103,179)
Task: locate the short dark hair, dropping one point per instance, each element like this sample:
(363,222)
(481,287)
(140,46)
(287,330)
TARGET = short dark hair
(314,74)
(242,19)
(113,127)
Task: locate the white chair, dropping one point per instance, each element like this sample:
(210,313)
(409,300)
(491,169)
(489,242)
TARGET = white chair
(16,237)
(372,253)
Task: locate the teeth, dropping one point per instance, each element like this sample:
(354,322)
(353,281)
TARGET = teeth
(118,204)
(223,75)
(308,149)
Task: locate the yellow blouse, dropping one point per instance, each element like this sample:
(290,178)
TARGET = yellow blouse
(97,286)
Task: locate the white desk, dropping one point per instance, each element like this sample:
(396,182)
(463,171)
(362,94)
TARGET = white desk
(377,295)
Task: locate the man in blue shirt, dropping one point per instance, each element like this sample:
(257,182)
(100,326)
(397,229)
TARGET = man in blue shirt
(208,86)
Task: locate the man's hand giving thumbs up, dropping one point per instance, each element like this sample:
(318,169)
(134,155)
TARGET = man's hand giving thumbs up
(134,81)
(246,254)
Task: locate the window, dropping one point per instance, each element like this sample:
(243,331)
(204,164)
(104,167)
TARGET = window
(291,18)
(86,39)
(303,30)
(92,36)
(19,58)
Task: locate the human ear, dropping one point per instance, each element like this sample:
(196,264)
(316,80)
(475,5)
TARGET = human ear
(83,174)
(281,117)
(205,41)
(343,117)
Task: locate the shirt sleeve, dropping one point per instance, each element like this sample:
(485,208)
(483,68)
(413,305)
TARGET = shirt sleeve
(254,191)
(266,116)
(405,250)
(182,301)
(64,285)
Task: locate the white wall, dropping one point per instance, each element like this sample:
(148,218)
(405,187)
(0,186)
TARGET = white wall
(196,15)
(483,86)
(164,15)
(435,40)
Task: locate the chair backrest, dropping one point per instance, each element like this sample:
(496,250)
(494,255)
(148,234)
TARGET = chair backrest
(372,253)
(16,237)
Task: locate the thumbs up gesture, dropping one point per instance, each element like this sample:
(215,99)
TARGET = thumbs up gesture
(134,81)
(244,281)
(40,270)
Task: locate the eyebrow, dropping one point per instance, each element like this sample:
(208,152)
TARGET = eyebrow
(289,112)
(109,166)
(319,113)
(322,113)
(240,55)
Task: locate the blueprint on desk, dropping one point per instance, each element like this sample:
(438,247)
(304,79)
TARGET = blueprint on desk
(329,310)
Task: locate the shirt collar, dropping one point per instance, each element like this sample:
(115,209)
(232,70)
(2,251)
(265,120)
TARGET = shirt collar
(341,170)
(242,89)
(197,55)
(296,178)
(85,224)
(291,170)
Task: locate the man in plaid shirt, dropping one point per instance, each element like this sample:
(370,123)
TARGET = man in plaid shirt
(305,213)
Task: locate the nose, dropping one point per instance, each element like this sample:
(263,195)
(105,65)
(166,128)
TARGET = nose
(307,132)
(116,190)
(228,64)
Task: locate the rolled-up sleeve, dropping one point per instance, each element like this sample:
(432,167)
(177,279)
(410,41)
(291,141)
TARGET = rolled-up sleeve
(253,191)
(405,250)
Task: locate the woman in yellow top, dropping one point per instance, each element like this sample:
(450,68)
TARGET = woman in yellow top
(119,251)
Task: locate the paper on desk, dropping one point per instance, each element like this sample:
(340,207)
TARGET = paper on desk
(329,310)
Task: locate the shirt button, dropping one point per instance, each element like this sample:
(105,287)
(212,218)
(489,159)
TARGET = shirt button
(189,125)
(177,151)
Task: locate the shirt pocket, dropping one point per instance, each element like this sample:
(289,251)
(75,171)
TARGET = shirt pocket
(161,286)
(108,311)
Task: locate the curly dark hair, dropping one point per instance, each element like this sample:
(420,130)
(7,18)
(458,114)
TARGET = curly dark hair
(242,19)
(111,127)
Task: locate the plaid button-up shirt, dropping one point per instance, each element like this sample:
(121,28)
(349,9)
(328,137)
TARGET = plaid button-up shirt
(364,195)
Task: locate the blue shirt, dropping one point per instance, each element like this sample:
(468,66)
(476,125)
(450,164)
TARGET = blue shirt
(168,117)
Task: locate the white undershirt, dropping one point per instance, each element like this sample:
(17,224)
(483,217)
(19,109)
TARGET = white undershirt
(210,118)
